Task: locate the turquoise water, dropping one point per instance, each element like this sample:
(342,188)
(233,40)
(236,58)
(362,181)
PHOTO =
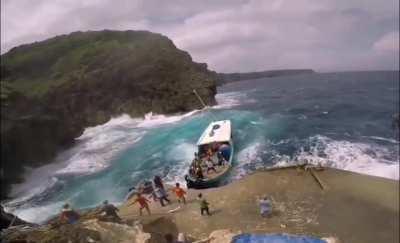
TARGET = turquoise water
(342,120)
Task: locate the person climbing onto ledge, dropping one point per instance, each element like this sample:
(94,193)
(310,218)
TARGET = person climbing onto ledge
(68,215)
(110,211)
(203,204)
(143,203)
(180,193)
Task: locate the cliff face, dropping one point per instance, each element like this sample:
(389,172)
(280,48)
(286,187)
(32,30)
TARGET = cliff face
(52,90)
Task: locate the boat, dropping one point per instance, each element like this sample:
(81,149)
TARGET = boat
(214,145)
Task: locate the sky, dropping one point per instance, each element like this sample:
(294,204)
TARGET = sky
(229,35)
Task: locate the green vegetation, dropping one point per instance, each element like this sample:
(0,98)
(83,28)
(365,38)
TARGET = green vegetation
(52,90)
(35,69)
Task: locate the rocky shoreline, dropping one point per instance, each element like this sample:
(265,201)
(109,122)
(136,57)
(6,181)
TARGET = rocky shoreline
(52,90)
(349,207)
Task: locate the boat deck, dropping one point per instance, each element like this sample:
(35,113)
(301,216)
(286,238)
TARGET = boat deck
(211,175)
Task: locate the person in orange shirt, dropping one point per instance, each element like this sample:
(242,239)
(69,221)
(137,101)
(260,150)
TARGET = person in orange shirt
(143,202)
(180,193)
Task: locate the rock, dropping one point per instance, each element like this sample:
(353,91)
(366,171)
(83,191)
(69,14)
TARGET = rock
(64,234)
(87,231)
(222,236)
(331,240)
(8,219)
(118,233)
(52,90)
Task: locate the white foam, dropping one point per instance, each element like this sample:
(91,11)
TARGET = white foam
(183,154)
(390,140)
(154,120)
(249,156)
(38,185)
(364,158)
(357,157)
(37,214)
(98,145)
(229,99)
(93,152)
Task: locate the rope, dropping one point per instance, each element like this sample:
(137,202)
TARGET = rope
(13,220)
(198,97)
(317,179)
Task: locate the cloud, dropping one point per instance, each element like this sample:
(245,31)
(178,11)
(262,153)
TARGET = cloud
(230,35)
(389,42)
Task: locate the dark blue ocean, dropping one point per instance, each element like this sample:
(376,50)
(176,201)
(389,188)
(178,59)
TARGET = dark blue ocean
(342,120)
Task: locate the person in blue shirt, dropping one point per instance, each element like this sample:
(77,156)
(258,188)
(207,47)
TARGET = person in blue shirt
(265,206)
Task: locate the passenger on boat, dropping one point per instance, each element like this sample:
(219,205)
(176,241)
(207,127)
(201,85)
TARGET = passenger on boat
(196,161)
(215,146)
(221,159)
(202,154)
(192,170)
(199,172)
(225,151)
(210,166)
(209,152)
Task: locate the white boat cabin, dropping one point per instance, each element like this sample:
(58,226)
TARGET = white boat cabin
(216,132)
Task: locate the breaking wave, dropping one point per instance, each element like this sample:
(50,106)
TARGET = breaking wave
(364,158)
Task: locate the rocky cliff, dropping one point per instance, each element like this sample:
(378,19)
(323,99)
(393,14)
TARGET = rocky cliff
(52,90)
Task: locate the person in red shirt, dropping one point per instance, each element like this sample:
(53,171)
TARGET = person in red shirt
(69,215)
(180,193)
(143,203)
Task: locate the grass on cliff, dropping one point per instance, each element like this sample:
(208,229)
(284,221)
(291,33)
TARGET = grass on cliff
(35,69)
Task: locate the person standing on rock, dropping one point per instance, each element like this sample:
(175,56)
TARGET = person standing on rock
(110,211)
(265,206)
(143,203)
(69,215)
(203,204)
(161,195)
(180,193)
(158,182)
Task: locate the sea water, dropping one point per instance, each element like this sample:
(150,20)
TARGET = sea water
(340,120)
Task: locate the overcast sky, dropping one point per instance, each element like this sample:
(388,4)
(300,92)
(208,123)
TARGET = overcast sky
(230,35)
